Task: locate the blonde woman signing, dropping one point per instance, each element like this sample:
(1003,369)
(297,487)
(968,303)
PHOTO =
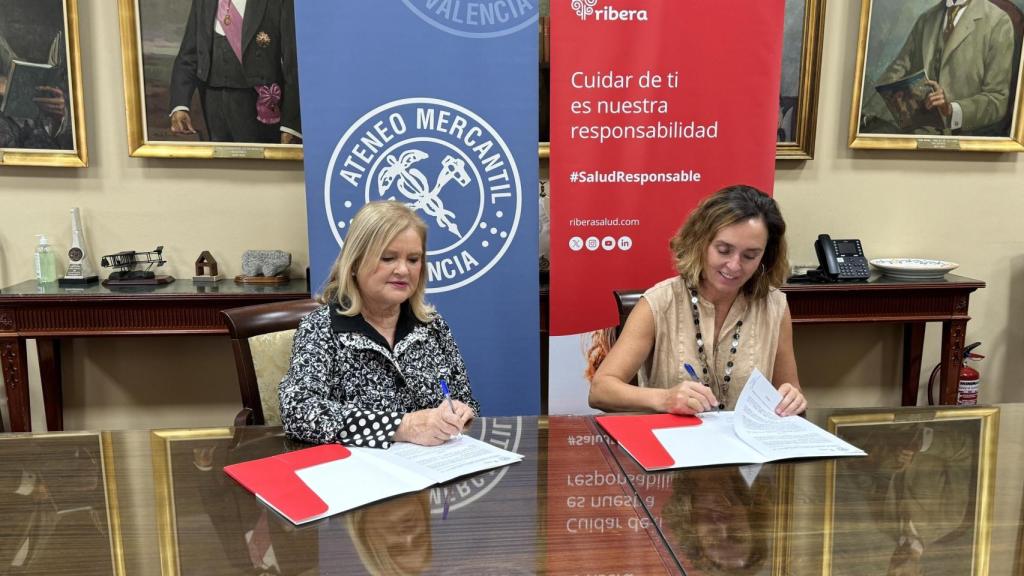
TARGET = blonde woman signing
(723,315)
(367,366)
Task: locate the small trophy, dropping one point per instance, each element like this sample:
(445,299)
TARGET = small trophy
(206,269)
(79,271)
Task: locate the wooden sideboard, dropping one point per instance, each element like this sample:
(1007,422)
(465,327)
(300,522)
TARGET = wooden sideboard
(46,313)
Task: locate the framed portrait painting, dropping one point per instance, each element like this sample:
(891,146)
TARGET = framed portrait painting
(921,501)
(930,76)
(798,90)
(203,80)
(42,116)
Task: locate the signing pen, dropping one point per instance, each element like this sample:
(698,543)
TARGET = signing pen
(693,374)
(447,395)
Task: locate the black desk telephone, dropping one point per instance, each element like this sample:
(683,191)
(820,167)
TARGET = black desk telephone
(839,261)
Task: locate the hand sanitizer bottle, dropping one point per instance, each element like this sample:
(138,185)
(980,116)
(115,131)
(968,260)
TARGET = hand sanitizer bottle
(46,262)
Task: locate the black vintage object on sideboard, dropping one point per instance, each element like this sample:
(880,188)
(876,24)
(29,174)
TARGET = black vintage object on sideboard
(47,313)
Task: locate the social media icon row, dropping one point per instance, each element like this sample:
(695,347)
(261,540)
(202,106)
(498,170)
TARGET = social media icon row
(593,243)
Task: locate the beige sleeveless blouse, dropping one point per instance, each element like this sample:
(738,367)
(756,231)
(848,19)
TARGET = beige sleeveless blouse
(675,340)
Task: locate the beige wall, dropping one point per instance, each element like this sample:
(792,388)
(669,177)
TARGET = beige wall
(960,207)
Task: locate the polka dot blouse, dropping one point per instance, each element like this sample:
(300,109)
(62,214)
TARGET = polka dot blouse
(346,385)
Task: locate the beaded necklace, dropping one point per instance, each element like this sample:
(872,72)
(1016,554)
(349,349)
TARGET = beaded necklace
(709,375)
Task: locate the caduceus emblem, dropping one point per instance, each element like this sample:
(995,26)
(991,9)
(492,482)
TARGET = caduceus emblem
(413,184)
(584,8)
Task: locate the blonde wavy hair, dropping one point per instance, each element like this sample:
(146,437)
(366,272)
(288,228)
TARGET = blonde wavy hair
(373,228)
(724,208)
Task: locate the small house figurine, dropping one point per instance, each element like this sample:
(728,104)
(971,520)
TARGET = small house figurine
(206,269)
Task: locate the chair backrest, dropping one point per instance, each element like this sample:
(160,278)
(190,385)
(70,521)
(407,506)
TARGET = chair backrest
(261,337)
(625,300)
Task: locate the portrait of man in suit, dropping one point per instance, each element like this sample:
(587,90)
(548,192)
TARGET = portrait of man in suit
(240,57)
(968,51)
(34,116)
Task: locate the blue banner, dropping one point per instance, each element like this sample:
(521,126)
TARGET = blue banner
(434,103)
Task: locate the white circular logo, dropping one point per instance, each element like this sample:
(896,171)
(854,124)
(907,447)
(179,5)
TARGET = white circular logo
(593,243)
(575,243)
(476,19)
(608,243)
(625,243)
(446,163)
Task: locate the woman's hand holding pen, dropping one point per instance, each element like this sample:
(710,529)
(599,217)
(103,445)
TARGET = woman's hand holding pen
(464,413)
(434,426)
(687,398)
(793,401)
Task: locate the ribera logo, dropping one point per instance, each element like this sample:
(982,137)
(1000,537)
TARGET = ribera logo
(445,162)
(587,8)
(584,8)
(476,18)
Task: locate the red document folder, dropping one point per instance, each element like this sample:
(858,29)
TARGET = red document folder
(309,484)
(636,435)
(274,480)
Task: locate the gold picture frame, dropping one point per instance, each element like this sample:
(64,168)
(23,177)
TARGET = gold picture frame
(146,94)
(163,487)
(66,481)
(921,498)
(63,143)
(195,498)
(801,78)
(978,116)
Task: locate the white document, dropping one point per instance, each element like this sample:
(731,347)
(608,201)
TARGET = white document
(752,434)
(370,474)
(457,457)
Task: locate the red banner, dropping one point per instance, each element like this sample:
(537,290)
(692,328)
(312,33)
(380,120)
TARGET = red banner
(655,105)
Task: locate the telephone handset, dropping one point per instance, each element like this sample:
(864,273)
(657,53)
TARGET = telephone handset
(840,260)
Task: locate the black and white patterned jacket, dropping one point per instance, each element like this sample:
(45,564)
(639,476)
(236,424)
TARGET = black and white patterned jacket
(346,385)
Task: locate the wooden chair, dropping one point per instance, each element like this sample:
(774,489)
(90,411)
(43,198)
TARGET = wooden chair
(625,300)
(261,337)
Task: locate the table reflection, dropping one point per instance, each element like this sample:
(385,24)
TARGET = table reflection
(723,519)
(918,499)
(921,502)
(53,501)
(926,501)
(393,537)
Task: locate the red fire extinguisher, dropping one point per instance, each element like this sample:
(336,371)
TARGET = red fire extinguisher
(967,389)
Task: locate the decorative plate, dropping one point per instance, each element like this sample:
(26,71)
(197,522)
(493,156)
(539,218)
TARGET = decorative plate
(914,268)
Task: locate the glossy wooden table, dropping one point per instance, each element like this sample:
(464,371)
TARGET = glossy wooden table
(939,494)
(157,503)
(47,313)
